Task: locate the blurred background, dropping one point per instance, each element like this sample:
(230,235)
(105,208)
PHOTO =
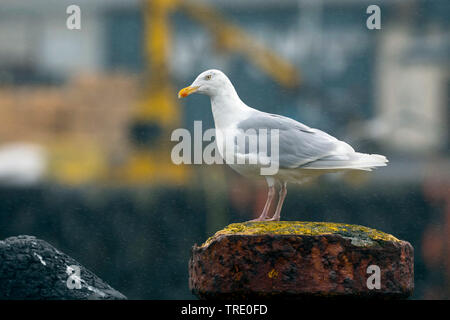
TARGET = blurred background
(86,118)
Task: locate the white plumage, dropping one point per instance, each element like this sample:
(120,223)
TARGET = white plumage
(304,152)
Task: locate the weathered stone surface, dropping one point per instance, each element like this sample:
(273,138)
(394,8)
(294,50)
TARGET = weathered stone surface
(31,268)
(299,260)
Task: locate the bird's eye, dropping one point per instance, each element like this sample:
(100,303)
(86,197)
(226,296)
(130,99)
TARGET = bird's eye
(208,77)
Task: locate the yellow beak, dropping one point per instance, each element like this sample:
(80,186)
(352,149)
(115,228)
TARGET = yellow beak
(186,91)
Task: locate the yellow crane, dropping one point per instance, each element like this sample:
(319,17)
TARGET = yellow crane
(158,111)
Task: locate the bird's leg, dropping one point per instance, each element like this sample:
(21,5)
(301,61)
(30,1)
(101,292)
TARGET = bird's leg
(270,196)
(283,192)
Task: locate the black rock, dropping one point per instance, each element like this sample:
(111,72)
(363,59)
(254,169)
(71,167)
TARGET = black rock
(31,268)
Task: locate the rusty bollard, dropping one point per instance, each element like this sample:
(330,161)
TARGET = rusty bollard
(295,260)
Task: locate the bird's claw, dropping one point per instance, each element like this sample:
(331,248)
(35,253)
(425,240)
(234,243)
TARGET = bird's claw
(257,220)
(265,219)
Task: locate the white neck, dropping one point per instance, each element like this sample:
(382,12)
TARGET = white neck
(227,107)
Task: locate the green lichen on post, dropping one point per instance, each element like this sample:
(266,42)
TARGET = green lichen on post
(359,235)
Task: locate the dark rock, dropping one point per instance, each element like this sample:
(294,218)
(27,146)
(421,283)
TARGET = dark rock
(300,260)
(31,268)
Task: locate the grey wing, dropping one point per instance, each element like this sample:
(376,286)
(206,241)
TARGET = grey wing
(298,143)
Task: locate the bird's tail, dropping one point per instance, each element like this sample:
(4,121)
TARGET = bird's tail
(355,161)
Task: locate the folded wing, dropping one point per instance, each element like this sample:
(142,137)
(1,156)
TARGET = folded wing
(303,147)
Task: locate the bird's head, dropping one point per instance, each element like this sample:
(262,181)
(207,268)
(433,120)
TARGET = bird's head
(210,82)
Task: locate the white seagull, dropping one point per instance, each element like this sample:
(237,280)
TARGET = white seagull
(303,152)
